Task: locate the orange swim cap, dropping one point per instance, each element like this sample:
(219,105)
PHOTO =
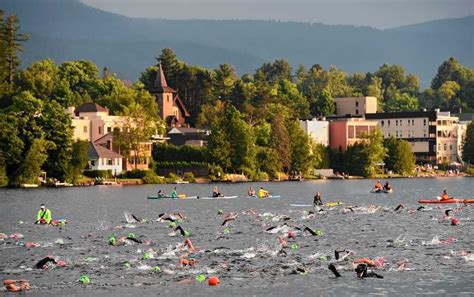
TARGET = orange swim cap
(213,281)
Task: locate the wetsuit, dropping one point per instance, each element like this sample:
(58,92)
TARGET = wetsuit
(43,216)
(317,200)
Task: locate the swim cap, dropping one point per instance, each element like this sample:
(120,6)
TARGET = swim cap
(187,233)
(147,255)
(126,265)
(319,232)
(291,234)
(454,222)
(226,230)
(220,211)
(84,279)
(294,246)
(156,269)
(112,240)
(172,224)
(131,235)
(213,281)
(200,278)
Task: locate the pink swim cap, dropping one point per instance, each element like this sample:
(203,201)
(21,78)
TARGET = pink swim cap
(291,234)
(454,222)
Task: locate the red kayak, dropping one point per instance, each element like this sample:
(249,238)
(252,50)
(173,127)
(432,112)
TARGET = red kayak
(451,200)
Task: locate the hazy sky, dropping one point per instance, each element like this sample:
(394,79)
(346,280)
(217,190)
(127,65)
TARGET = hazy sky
(375,13)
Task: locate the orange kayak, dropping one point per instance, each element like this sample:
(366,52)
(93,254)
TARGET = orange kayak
(452,200)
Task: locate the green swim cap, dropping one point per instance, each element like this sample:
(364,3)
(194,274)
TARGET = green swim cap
(131,235)
(226,231)
(126,265)
(84,279)
(172,225)
(200,278)
(20,222)
(112,240)
(294,246)
(147,255)
(323,258)
(319,232)
(156,269)
(89,259)
(220,211)
(187,233)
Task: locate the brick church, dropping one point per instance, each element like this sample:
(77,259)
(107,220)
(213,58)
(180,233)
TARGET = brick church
(172,109)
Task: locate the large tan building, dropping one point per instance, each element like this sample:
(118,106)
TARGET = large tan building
(435,136)
(355,105)
(92,122)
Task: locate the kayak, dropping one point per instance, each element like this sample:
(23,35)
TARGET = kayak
(217,198)
(452,200)
(328,204)
(301,205)
(380,191)
(180,196)
(271,197)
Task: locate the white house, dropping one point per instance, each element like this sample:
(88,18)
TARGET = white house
(317,129)
(101,158)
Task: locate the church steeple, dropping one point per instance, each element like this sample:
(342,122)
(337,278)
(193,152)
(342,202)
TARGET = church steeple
(160,85)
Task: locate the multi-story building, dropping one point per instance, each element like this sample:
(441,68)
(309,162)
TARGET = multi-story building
(347,130)
(435,136)
(92,122)
(355,105)
(317,129)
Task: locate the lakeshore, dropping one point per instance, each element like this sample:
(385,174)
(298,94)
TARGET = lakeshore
(246,258)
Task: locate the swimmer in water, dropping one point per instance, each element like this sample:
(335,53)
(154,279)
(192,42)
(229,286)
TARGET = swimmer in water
(230,217)
(399,208)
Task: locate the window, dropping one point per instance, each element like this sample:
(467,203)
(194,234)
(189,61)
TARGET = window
(92,163)
(424,122)
(350,131)
(110,162)
(85,129)
(408,122)
(396,133)
(401,135)
(382,123)
(357,111)
(357,103)
(168,98)
(413,122)
(100,130)
(109,129)
(445,147)
(450,147)
(439,134)
(388,123)
(396,123)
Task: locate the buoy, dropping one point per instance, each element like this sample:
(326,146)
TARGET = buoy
(213,281)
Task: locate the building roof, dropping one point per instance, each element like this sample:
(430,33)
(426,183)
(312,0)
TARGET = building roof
(98,151)
(160,85)
(90,107)
(431,115)
(182,130)
(181,106)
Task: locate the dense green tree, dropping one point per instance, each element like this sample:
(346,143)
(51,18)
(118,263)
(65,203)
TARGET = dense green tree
(400,157)
(223,80)
(319,156)
(323,104)
(451,70)
(363,157)
(401,102)
(10,45)
(30,168)
(263,133)
(218,146)
(273,72)
(280,141)
(210,115)
(171,66)
(447,92)
(79,159)
(300,148)
(268,161)
(468,144)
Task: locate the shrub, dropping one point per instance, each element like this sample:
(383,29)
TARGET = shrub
(172,178)
(150,177)
(261,176)
(189,176)
(98,173)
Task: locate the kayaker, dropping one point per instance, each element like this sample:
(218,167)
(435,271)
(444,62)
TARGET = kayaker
(43,216)
(160,194)
(317,199)
(216,193)
(444,196)
(262,193)
(250,192)
(378,186)
(174,193)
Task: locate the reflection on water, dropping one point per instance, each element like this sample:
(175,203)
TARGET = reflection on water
(247,259)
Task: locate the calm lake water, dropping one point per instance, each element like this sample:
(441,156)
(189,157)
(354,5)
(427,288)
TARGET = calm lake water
(247,259)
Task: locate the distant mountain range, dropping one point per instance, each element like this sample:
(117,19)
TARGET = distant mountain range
(68,29)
